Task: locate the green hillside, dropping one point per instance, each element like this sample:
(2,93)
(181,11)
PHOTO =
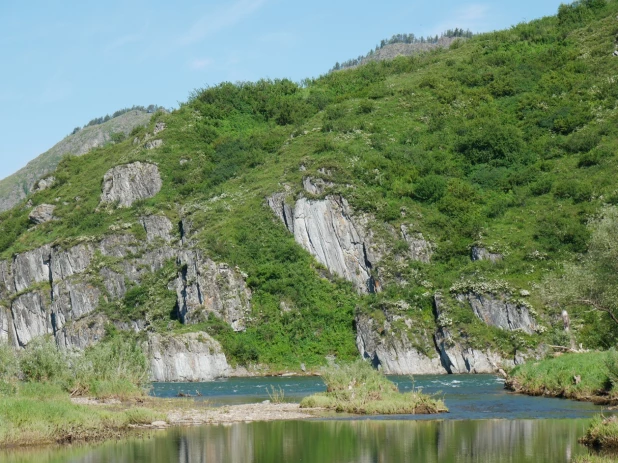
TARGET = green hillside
(15,187)
(506,141)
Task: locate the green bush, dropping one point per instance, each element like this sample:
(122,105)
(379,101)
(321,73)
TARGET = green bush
(430,188)
(41,361)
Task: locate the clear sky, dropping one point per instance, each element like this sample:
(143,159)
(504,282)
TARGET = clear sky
(63,63)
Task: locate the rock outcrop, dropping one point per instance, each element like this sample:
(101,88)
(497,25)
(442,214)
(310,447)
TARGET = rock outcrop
(42,213)
(187,357)
(480,253)
(204,287)
(419,249)
(57,290)
(393,352)
(152,144)
(499,311)
(327,229)
(128,183)
(44,184)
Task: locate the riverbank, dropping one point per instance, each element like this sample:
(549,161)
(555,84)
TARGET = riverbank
(586,377)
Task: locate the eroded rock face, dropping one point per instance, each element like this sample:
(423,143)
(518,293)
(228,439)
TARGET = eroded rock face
(187,357)
(316,186)
(81,334)
(42,213)
(73,300)
(328,231)
(45,183)
(393,352)
(204,287)
(420,249)
(128,183)
(480,253)
(30,317)
(159,127)
(31,267)
(500,312)
(157,227)
(152,144)
(4,325)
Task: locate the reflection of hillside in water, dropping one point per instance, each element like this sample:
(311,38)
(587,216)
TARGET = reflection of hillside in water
(366,441)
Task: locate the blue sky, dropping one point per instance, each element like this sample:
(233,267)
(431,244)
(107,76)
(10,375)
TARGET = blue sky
(64,63)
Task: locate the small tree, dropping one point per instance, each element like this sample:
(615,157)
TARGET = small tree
(592,280)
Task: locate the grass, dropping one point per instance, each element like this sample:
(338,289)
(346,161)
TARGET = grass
(276,395)
(556,377)
(358,388)
(602,433)
(44,414)
(595,459)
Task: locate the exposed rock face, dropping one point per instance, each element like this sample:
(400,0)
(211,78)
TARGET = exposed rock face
(315,186)
(204,287)
(152,144)
(45,183)
(157,227)
(500,312)
(42,213)
(393,353)
(5,323)
(328,231)
(30,316)
(479,253)
(72,301)
(131,182)
(188,357)
(31,267)
(81,333)
(159,127)
(420,249)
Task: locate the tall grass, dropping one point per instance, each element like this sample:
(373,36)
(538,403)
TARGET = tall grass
(602,432)
(113,368)
(557,376)
(358,388)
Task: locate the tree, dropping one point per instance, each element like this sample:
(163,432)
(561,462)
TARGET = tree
(592,281)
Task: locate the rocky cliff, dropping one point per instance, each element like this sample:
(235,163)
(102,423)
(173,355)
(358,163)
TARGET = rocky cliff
(16,187)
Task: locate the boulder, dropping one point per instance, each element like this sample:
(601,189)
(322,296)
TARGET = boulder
(186,357)
(44,184)
(128,183)
(42,213)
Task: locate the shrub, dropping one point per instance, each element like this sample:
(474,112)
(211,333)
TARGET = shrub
(41,361)
(430,188)
(486,141)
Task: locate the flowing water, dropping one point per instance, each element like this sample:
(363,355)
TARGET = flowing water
(485,424)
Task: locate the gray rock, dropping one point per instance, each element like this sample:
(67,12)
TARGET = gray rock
(32,267)
(82,333)
(500,312)
(152,144)
(30,317)
(45,183)
(420,249)
(479,253)
(328,231)
(5,321)
(159,127)
(118,246)
(393,352)
(66,263)
(187,357)
(42,213)
(204,287)
(73,300)
(282,210)
(316,186)
(157,227)
(131,182)
(7,281)
(114,283)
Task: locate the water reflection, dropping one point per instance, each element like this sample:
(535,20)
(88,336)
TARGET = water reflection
(371,441)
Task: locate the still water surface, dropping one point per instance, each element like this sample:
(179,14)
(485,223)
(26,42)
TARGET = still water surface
(486,424)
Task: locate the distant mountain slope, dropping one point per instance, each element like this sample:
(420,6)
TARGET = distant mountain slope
(17,186)
(405,45)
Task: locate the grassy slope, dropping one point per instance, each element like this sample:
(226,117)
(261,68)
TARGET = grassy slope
(507,140)
(15,187)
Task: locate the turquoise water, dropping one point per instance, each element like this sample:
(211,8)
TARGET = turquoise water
(486,424)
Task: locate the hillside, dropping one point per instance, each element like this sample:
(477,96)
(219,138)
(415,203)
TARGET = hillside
(408,210)
(15,187)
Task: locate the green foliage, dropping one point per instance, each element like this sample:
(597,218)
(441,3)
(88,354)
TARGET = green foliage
(358,388)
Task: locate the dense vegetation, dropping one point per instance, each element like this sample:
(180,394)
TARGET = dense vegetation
(584,376)
(358,388)
(506,140)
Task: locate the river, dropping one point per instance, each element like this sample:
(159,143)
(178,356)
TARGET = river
(485,424)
